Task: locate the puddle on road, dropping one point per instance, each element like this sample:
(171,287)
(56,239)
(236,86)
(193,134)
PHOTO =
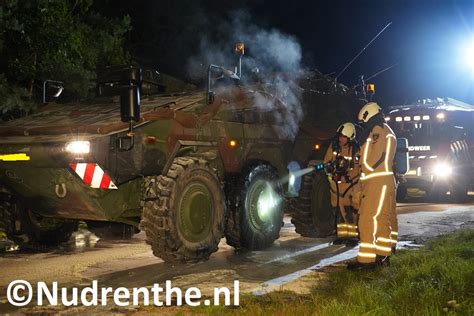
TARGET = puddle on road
(348,254)
(227,266)
(277,283)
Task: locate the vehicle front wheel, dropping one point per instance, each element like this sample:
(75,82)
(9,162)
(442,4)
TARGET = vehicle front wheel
(184,211)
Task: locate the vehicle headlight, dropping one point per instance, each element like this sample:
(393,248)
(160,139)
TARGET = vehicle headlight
(78,147)
(442,169)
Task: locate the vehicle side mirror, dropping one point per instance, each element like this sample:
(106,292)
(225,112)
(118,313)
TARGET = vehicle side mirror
(51,90)
(130,104)
(211,96)
(129,112)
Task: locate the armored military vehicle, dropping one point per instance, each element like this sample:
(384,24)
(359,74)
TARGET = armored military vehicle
(187,168)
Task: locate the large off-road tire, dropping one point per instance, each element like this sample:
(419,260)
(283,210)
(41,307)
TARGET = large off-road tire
(184,211)
(30,230)
(111,230)
(312,214)
(255,208)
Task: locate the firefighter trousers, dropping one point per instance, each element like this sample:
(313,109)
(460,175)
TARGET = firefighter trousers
(346,207)
(394,220)
(377,218)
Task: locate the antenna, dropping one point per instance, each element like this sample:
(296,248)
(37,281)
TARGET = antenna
(376,74)
(361,51)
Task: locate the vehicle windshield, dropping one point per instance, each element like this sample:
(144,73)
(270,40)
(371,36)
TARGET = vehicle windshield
(420,131)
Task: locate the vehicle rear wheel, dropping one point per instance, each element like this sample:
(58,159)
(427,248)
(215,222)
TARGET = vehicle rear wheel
(312,214)
(111,230)
(30,230)
(255,209)
(184,211)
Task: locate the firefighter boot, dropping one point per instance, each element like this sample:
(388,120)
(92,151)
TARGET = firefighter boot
(339,241)
(341,228)
(359,266)
(351,242)
(382,261)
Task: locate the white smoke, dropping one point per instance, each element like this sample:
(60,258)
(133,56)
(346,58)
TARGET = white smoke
(271,57)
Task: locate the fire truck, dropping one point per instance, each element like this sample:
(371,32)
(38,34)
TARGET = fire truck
(440,135)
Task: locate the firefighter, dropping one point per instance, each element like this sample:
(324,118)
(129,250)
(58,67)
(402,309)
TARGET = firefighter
(343,170)
(377,217)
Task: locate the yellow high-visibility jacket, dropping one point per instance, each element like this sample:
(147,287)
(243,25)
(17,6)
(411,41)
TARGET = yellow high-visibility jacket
(378,152)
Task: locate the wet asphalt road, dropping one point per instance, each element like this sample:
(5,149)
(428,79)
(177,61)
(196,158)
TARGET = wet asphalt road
(284,265)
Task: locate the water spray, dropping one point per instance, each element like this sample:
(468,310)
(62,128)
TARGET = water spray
(293,175)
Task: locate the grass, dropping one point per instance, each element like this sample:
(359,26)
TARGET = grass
(435,280)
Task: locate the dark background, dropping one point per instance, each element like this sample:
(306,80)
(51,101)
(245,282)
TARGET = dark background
(425,39)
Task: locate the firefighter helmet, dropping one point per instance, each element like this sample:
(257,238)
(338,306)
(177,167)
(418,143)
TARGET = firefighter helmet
(368,111)
(348,130)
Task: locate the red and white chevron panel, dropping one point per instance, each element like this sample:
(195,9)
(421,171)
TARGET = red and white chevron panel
(93,175)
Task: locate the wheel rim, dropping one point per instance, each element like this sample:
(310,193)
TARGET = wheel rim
(262,204)
(195,212)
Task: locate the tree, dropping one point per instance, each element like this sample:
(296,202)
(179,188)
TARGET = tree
(55,39)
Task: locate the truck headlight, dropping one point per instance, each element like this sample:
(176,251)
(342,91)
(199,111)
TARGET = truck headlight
(78,147)
(442,170)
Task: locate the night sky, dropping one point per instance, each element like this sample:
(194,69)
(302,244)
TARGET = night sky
(426,38)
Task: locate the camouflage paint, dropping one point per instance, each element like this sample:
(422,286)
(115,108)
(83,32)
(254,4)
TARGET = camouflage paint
(167,122)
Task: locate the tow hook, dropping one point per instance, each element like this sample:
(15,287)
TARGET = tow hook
(60,190)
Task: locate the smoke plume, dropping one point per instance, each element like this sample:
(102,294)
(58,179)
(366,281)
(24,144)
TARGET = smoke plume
(272,58)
